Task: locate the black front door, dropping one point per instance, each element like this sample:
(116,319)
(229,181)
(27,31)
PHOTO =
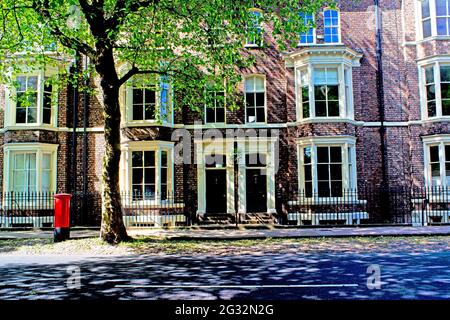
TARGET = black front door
(256,190)
(216,191)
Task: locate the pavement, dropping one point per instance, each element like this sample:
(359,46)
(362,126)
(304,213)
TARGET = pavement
(239,234)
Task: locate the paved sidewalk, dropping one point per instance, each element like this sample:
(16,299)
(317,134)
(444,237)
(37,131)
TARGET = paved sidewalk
(234,234)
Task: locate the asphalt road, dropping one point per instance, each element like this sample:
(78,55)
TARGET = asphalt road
(418,275)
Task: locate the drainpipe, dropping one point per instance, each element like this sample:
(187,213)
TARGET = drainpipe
(380,94)
(75,124)
(384,194)
(85,150)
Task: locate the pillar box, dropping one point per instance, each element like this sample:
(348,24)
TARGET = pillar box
(62,217)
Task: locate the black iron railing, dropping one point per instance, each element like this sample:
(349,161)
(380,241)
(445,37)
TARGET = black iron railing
(362,206)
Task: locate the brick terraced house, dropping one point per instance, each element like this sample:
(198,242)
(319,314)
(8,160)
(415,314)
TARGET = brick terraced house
(345,129)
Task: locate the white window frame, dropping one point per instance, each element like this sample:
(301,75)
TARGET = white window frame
(304,33)
(263,77)
(128,104)
(39,149)
(436,62)
(346,108)
(433,17)
(11,102)
(126,168)
(338,26)
(255,44)
(440,141)
(349,180)
(215,106)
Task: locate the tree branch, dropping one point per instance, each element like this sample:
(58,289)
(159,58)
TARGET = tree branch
(70,42)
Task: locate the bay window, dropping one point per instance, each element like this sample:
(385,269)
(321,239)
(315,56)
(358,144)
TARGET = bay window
(148,101)
(437,161)
(434,18)
(324,91)
(326,166)
(32,101)
(148,170)
(30,167)
(436,89)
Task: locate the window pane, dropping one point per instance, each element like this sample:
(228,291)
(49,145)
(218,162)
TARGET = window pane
(21,115)
(445,90)
(322,154)
(320,76)
(259,84)
(210,115)
(46,183)
(445,73)
(149,111)
(336,189)
(446,107)
(138,97)
(324,189)
(137,176)
(32,83)
(163,158)
(426,28)
(321,109)
(308,174)
(138,112)
(335,154)
(306,110)
(46,161)
(322,172)
(431,109)
(336,171)
(447,153)
(435,170)
(431,92)
(19,162)
(149,175)
(220,115)
(249,84)
(260,115)
(250,99)
(149,158)
(441,7)
(320,92)
(333,92)
(441,26)
(163,177)
(425,9)
(307,155)
(429,74)
(21,83)
(333,108)
(260,99)
(32,115)
(434,154)
(47,116)
(136,159)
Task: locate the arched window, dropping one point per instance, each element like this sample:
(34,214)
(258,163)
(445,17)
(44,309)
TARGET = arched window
(331,26)
(255,99)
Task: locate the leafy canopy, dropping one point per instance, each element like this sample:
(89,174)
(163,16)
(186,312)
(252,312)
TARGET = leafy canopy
(195,42)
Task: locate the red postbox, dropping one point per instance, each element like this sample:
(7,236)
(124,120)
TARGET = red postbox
(62,217)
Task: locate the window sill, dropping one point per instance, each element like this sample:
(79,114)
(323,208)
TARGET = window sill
(148,123)
(437,119)
(30,127)
(325,120)
(434,38)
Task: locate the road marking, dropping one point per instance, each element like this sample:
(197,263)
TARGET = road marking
(262,286)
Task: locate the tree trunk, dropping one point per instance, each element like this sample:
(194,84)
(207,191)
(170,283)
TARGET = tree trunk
(112,226)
